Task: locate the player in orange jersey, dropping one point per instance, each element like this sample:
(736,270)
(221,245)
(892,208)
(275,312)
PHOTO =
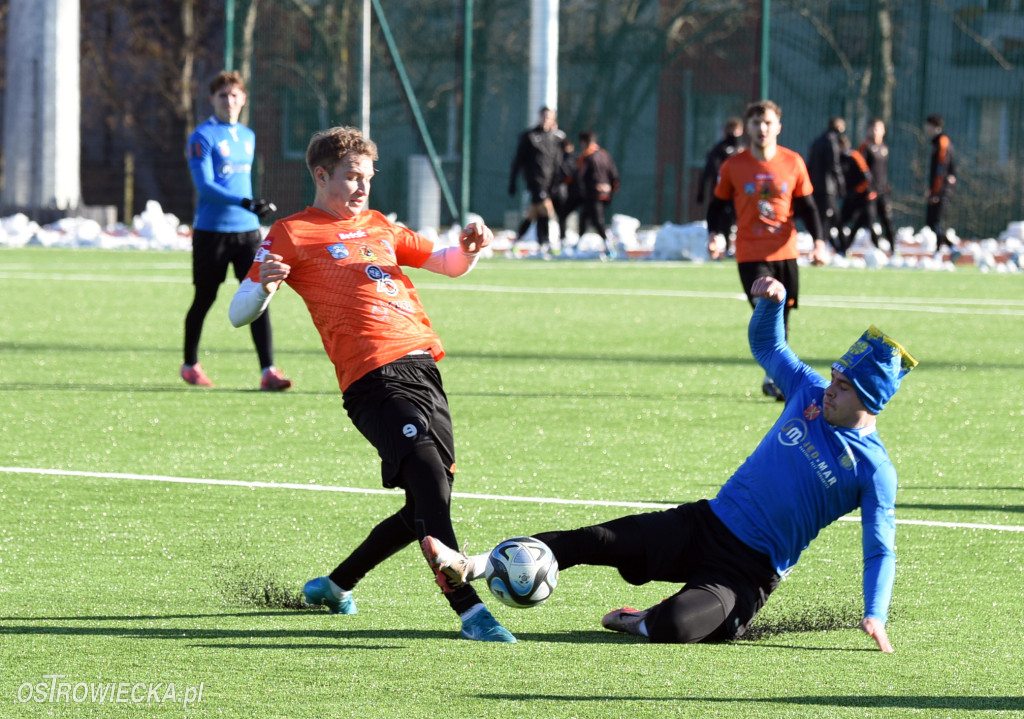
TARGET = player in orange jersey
(345,261)
(768,185)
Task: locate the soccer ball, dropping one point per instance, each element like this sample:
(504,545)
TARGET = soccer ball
(521,572)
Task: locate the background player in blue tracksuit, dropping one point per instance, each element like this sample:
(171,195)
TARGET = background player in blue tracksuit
(821,460)
(226,229)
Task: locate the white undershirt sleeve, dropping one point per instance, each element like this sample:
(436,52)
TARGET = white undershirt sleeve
(249,302)
(450,261)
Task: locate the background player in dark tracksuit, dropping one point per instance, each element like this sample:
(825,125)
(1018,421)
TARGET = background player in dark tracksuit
(821,460)
(876,152)
(565,195)
(827,177)
(598,180)
(226,229)
(941,179)
(538,152)
(729,145)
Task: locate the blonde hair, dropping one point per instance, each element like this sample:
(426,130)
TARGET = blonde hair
(328,147)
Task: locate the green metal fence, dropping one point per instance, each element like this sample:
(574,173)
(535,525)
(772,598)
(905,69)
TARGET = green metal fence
(654,78)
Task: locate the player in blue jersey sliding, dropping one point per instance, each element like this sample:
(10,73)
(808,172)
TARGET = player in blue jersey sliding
(226,229)
(821,460)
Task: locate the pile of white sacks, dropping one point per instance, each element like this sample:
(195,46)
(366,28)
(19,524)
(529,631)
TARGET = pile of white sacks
(914,249)
(154,229)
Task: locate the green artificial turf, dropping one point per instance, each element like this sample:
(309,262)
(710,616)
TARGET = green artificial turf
(590,383)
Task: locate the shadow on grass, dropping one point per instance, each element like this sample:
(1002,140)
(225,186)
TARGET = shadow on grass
(336,636)
(963,507)
(252,637)
(338,633)
(867,701)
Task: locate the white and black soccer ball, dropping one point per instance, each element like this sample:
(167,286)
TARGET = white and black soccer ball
(521,572)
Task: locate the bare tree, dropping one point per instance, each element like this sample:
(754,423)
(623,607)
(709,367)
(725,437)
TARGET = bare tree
(140,61)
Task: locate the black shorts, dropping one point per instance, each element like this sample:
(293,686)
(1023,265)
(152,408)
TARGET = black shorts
(213,252)
(785,271)
(690,544)
(398,406)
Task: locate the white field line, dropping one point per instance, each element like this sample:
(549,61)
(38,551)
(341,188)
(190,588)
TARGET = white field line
(459,495)
(955,306)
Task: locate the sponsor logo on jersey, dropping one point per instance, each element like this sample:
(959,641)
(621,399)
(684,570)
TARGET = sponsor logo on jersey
(230,168)
(338,251)
(384,282)
(383,308)
(846,459)
(410,431)
(261,254)
(793,432)
(224,148)
(353,235)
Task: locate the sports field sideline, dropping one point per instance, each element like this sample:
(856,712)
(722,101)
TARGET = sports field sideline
(141,544)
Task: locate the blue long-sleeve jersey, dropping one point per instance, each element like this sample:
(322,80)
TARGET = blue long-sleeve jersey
(806,473)
(220,156)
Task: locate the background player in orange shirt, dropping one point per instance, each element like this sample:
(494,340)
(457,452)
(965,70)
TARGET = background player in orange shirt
(768,185)
(345,260)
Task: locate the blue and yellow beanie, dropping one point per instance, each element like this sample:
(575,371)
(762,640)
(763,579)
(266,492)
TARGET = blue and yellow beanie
(875,364)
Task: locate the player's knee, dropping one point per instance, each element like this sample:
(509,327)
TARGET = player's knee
(687,618)
(424,467)
(674,629)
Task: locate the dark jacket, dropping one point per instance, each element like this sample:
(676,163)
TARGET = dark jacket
(537,156)
(722,151)
(823,165)
(877,156)
(597,175)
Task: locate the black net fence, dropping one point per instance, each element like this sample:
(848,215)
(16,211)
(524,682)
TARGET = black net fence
(655,79)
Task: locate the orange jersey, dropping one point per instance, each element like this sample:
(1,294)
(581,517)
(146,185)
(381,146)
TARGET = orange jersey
(862,175)
(762,193)
(348,273)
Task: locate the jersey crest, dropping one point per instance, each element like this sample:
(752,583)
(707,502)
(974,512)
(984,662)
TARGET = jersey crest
(812,411)
(338,251)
